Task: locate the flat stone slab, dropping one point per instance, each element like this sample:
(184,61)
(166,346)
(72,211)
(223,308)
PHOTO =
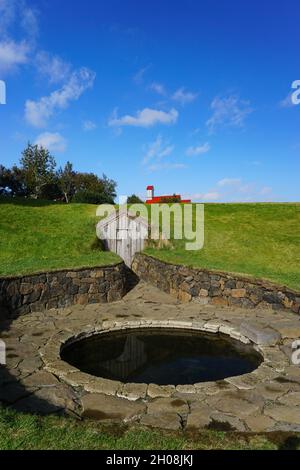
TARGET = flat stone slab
(36,380)
(259,423)
(260,335)
(236,406)
(102,407)
(199,417)
(282,413)
(163,405)
(170,421)
(160,391)
(226,422)
(287,328)
(133,392)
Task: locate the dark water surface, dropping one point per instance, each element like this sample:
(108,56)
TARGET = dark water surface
(162,356)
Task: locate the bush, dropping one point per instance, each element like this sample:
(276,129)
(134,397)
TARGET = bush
(90,197)
(134,200)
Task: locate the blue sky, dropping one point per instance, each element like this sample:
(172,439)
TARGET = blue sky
(191,96)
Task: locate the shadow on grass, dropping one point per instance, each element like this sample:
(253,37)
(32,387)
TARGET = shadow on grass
(28,202)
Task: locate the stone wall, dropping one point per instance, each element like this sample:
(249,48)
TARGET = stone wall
(219,288)
(24,294)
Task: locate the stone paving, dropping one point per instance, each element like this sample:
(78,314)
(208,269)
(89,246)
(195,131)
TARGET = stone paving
(36,380)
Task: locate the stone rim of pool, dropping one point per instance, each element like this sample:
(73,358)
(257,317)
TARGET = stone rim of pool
(51,355)
(163,356)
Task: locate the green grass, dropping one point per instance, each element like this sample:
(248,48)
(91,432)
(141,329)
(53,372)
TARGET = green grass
(37,236)
(261,240)
(28,432)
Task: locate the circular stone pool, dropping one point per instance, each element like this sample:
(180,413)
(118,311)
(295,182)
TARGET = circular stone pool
(161,356)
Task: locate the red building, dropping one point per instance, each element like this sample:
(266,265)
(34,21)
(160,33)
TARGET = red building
(151,199)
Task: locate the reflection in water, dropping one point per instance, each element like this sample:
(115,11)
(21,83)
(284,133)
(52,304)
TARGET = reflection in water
(162,356)
(131,359)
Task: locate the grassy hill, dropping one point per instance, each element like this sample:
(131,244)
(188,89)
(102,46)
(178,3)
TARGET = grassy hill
(262,240)
(38,235)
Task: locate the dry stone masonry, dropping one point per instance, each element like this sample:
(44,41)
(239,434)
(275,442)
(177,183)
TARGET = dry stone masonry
(34,293)
(213,287)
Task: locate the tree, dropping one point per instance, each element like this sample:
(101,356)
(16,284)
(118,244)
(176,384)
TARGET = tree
(171,199)
(134,200)
(12,182)
(66,181)
(38,166)
(89,188)
(109,189)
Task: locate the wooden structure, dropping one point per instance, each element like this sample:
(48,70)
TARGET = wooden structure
(124,234)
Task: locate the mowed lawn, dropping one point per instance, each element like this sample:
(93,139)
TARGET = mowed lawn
(37,236)
(28,432)
(261,240)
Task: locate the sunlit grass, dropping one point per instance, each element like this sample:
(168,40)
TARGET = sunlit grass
(23,431)
(38,236)
(261,240)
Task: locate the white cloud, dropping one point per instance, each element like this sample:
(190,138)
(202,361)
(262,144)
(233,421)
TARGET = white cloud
(166,166)
(229,182)
(287,102)
(266,191)
(167,151)
(213,196)
(37,113)
(22,19)
(146,118)
(235,190)
(29,20)
(89,126)
(52,67)
(13,54)
(158,88)
(157,150)
(54,142)
(198,150)
(7,14)
(229,111)
(184,97)
(140,74)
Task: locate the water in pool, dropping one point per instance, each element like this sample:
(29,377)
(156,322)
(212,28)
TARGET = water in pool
(161,356)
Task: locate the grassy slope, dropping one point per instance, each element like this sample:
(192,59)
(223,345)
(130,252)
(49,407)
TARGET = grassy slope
(18,431)
(262,240)
(257,239)
(37,236)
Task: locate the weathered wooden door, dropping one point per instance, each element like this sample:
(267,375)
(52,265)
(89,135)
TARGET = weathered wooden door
(125,235)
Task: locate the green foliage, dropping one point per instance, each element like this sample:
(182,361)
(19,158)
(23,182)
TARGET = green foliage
(134,200)
(91,189)
(38,167)
(38,179)
(12,182)
(66,181)
(171,200)
(90,197)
